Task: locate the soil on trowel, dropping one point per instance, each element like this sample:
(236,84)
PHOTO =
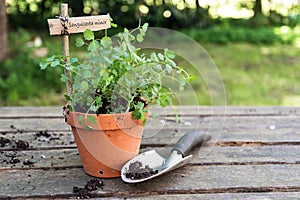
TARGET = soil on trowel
(90,186)
(137,171)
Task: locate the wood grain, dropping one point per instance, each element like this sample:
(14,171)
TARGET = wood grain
(186,180)
(59,158)
(254,154)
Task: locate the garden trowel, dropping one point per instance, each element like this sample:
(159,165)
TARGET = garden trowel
(150,164)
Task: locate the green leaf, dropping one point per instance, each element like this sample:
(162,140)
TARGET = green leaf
(79,42)
(106,42)
(71,108)
(89,128)
(140,105)
(93,45)
(73,60)
(161,57)
(93,108)
(64,78)
(80,120)
(68,98)
(192,77)
(154,57)
(113,25)
(50,59)
(88,35)
(55,63)
(89,100)
(157,67)
(142,33)
(182,83)
(139,38)
(70,68)
(145,27)
(169,68)
(172,63)
(99,102)
(136,114)
(43,65)
(169,54)
(111,22)
(92,119)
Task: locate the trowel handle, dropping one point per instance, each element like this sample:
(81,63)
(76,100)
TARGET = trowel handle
(190,140)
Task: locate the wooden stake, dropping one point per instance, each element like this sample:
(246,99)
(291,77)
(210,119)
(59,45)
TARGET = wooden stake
(64,26)
(65,49)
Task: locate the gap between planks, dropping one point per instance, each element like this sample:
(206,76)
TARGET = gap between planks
(206,156)
(187,165)
(56,112)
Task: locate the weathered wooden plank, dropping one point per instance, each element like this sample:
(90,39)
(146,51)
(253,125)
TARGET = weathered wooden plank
(162,138)
(228,110)
(56,111)
(28,111)
(40,159)
(33,124)
(274,123)
(168,136)
(245,196)
(44,139)
(189,179)
(202,156)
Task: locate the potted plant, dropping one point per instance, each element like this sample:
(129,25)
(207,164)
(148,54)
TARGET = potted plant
(111,91)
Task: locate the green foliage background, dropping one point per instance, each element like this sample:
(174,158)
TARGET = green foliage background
(257,57)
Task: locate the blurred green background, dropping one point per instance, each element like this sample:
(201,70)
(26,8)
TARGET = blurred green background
(254,43)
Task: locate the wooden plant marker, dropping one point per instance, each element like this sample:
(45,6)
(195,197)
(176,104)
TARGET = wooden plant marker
(64,26)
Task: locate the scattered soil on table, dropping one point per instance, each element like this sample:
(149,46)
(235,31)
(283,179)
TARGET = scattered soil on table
(12,158)
(29,162)
(90,186)
(43,133)
(46,136)
(18,130)
(19,144)
(137,171)
(12,127)
(4,141)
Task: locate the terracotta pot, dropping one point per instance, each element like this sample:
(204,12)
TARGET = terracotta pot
(105,142)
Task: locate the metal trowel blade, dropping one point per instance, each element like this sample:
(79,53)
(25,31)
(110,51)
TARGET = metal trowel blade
(154,161)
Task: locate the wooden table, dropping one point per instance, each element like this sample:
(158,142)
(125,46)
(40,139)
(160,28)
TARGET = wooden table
(254,154)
